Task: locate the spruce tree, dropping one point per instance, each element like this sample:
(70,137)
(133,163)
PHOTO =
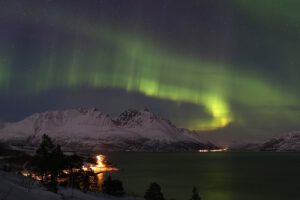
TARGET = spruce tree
(49,159)
(195,195)
(112,187)
(73,162)
(154,192)
(56,163)
(43,154)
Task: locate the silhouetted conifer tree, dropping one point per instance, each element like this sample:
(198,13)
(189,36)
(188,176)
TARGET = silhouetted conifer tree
(56,163)
(112,187)
(73,162)
(154,192)
(49,159)
(42,157)
(195,195)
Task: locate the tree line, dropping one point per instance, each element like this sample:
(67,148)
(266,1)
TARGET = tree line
(55,168)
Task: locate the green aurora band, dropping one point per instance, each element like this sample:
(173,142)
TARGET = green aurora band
(137,63)
(276,11)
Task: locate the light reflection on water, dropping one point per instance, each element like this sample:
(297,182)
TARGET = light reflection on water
(100,168)
(100,179)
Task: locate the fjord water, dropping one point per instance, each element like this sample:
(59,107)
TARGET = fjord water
(218,176)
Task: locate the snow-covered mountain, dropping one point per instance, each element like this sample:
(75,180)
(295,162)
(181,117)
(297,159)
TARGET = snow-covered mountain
(287,142)
(91,129)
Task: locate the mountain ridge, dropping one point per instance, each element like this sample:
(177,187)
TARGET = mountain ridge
(132,130)
(288,142)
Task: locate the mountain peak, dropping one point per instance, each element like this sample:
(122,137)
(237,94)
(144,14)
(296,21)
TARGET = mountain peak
(287,142)
(85,110)
(125,117)
(132,117)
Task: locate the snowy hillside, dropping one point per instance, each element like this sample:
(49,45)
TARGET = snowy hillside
(16,187)
(91,129)
(288,142)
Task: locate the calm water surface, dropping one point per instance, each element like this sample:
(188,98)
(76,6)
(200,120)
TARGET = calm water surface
(218,176)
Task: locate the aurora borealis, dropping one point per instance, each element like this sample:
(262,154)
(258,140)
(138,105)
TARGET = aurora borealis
(226,67)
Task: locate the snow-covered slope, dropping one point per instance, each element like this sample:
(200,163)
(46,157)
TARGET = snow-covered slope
(89,128)
(16,187)
(287,142)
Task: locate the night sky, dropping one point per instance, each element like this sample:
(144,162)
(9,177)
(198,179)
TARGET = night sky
(228,68)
